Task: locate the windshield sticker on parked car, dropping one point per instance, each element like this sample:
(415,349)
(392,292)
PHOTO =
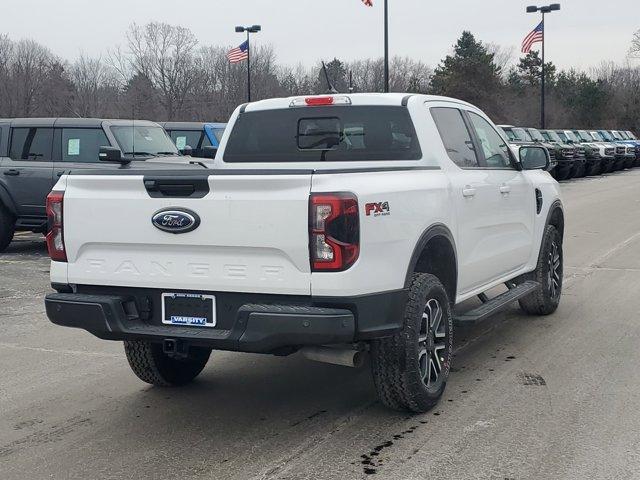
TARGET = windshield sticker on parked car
(73,146)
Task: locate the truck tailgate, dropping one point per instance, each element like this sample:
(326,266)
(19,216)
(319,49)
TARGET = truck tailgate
(252,237)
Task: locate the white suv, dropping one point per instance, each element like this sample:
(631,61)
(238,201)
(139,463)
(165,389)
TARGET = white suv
(330,225)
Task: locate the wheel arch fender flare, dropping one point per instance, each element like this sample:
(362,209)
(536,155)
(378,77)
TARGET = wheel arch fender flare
(443,234)
(555,216)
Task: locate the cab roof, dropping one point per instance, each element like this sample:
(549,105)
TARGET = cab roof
(78,122)
(357,99)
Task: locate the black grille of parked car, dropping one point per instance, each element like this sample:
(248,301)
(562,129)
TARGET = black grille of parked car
(568,152)
(609,151)
(620,150)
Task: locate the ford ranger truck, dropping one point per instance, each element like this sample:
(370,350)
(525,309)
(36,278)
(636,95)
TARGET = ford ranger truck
(335,226)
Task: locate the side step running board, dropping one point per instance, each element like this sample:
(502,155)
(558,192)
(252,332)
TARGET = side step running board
(493,306)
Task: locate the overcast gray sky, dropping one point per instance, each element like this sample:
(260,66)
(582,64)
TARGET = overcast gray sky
(584,34)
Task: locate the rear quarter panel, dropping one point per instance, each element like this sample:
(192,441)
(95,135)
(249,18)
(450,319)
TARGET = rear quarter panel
(417,200)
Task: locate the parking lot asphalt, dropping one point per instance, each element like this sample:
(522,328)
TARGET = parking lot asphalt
(530,398)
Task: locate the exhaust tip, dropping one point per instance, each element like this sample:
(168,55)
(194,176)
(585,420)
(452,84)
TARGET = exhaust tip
(346,357)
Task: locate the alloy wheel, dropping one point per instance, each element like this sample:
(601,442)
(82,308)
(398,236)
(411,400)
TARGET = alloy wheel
(432,343)
(555,271)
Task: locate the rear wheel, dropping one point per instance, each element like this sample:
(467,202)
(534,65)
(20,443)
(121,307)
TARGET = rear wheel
(548,274)
(151,365)
(411,368)
(7,228)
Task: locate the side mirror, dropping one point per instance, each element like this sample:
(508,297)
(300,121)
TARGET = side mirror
(187,150)
(109,154)
(534,158)
(209,152)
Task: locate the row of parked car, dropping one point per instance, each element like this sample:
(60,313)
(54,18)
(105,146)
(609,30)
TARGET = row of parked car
(34,153)
(578,153)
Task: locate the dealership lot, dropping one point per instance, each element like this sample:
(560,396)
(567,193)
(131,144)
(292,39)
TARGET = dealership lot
(551,397)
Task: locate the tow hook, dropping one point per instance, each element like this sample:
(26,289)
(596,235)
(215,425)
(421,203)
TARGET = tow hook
(175,348)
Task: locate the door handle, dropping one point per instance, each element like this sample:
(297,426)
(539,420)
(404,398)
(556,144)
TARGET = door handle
(504,189)
(468,191)
(12,172)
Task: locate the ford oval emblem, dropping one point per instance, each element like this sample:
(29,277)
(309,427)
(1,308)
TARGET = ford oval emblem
(175,220)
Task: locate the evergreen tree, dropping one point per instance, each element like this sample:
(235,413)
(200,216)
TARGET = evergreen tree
(529,71)
(469,74)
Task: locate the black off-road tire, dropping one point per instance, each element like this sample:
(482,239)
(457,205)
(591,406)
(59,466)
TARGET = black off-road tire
(594,169)
(399,362)
(151,365)
(7,228)
(548,273)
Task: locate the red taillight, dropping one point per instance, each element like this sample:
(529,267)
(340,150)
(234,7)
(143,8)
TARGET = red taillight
(55,238)
(318,101)
(334,231)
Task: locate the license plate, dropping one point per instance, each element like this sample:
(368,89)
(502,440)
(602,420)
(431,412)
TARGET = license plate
(189,309)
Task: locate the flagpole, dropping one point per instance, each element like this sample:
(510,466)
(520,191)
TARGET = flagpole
(248,68)
(386,46)
(249,30)
(542,116)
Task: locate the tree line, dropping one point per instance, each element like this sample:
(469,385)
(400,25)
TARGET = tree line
(163,73)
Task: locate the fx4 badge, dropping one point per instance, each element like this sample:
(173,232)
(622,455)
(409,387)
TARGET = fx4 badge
(377,209)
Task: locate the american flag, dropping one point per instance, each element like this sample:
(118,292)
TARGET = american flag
(534,37)
(368,3)
(239,53)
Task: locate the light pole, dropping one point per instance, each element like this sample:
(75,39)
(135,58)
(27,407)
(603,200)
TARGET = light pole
(546,9)
(249,30)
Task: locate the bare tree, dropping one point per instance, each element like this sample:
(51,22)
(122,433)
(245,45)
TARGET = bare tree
(502,57)
(165,55)
(30,66)
(634,51)
(96,87)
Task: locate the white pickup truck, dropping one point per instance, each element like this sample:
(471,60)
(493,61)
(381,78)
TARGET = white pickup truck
(336,226)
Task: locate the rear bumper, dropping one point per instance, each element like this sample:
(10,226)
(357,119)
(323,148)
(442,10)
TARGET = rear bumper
(245,322)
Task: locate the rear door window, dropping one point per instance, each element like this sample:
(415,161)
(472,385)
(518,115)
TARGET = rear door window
(455,136)
(82,144)
(184,138)
(31,144)
(336,133)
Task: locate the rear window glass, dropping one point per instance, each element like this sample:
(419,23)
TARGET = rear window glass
(314,134)
(31,144)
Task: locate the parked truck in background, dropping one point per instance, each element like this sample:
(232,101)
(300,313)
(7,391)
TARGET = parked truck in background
(563,155)
(591,152)
(579,166)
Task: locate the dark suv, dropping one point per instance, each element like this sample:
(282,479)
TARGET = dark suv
(35,152)
(195,138)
